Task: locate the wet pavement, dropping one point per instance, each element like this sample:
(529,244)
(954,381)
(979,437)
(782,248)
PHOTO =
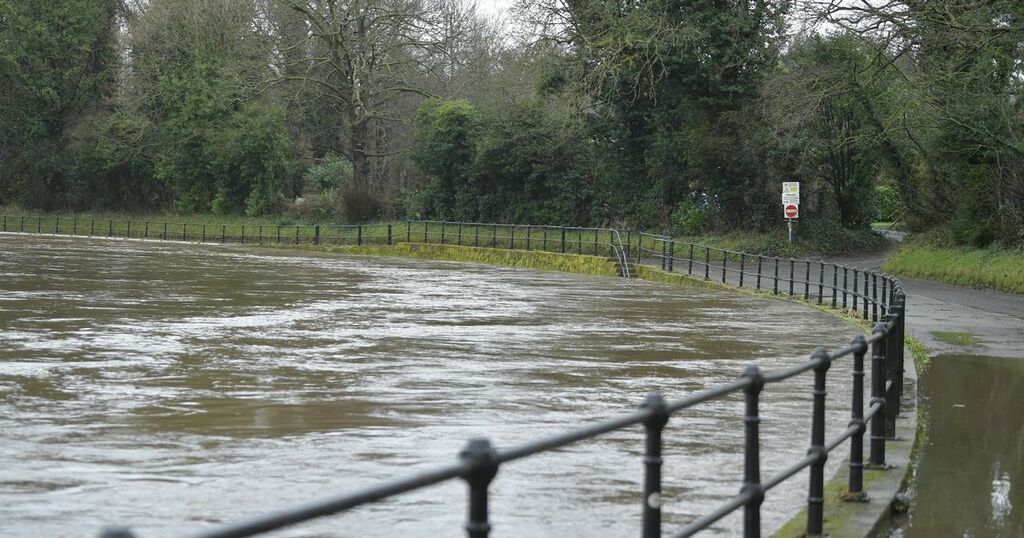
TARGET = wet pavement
(170,387)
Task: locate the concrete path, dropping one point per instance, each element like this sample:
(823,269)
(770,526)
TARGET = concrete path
(994,318)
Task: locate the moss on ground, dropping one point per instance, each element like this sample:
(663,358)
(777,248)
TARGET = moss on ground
(964,339)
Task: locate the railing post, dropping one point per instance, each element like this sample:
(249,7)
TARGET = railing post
(654,425)
(316,234)
(874,296)
(390,236)
(494,236)
(671,254)
(145,233)
(39,225)
(260,239)
(689,267)
(835,282)
(563,239)
(821,281)
(664,254)
(442,231)
(707,263)
(725,263)
(891,395)
(512,237)
(56,227)
(92,227)
(482,459)
(792,274)
(128,230)
(460,236)
(807,280)
(278,233)
(296,235)
(243,234)
(183,229)
(759,260)
(855,489)
(775,286)
(742,256)
(165,232)
(223,233)
(752,453)
(579,241)
(866,294)
(359,235)
(845,272)
(901,327)
(877,458)
(856,280)
(816,489)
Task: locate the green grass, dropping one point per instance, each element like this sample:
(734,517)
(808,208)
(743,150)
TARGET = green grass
(547,261)
(963,339)
(997,269)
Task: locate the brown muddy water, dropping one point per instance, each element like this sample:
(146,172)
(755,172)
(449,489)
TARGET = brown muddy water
(969,480)
(169,387)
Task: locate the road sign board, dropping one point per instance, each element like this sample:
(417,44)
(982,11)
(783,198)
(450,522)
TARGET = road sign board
(790,198)
(791,187)
(792,211)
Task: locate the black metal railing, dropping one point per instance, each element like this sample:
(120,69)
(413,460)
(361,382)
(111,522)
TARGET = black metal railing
(867,293)
(559,239)
(479,461)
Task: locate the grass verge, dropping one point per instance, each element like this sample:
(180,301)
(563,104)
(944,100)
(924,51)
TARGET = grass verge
(963,339)
(997,269)
(533,259)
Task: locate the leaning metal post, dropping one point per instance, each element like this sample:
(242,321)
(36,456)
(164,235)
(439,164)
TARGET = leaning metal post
(877,458)
(856,485)
(752,453)
(892,404)
(654,425)
(480,455)
(816,488)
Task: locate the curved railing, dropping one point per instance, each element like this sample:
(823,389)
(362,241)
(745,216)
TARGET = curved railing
(478,463)
(868,293)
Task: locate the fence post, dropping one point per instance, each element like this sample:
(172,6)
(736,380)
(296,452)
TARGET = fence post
(512,237)
(359,235)
(442,231)
(874,296)
(725,263)
(579,241)
(759,260)
(856,280)
(866,294)
(426,226)
(460,235)
(224,232)
(807,280)
(845,271)
(689,257)
(390,236)
(183,227)
(278,233)
(821,281)
(316,234)
(835,282)
(664,254)
(260,239)
(243,233)
(775,286)
(654,425)
(707,263)
(145,232)
(877,458)
(296,235)
(5,223)
(563,239)
(92,227)
(891,394)
(494,237)
(480,456)
(165,231)
(752,453)
(671,254)
(528,229)
(128,230)
(792,275)
(56,227)
(855,489)
(816,489)
(39,225)
(742,264)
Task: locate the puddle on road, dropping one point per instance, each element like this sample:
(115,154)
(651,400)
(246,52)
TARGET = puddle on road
(970,475)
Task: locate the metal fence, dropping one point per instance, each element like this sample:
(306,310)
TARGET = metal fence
(560,239)
(479,461)
(868,293)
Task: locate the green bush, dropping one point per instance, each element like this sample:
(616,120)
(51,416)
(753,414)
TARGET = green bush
(689,218)
(887,203)
(330,174)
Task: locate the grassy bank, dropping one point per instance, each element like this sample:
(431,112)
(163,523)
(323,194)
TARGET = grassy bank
(546,261)
(808,243)
(997,269)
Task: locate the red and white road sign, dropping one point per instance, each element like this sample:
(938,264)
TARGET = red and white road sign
(792,211)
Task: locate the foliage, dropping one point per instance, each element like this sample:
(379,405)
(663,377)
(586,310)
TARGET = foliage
(994,268)
(330,174)
(887,204)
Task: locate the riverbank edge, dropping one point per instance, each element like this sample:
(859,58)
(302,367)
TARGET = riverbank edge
(842,519)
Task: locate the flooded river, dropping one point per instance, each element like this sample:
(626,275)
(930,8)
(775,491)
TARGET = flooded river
(169,387)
